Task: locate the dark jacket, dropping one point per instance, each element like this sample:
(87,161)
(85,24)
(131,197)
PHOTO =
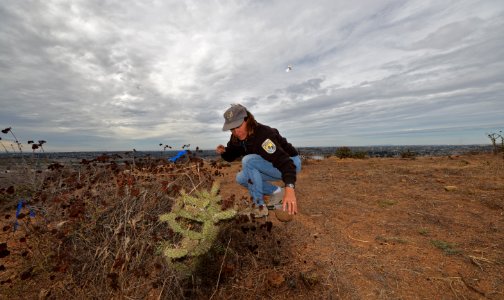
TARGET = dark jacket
(270,145)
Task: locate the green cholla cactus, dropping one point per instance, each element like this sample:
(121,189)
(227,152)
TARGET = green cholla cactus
(202,211)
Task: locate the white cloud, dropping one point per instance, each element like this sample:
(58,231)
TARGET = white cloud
(124,74)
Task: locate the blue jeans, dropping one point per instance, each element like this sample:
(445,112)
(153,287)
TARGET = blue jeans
(257,173)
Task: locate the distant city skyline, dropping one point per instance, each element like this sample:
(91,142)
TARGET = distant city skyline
(117,76)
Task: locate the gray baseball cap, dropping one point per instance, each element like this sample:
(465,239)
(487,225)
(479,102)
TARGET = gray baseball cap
(234,116)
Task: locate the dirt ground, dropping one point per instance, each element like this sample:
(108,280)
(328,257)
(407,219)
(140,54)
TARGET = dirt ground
(379,228)
(384,228)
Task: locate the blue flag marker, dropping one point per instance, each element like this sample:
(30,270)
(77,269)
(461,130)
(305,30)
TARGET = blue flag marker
(179,155)
(18,212)
(32,212)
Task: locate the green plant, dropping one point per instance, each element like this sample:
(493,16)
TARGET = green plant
(387,240)
(359,154)
(408,154)
(448,248)
(423,231)
(386,203)
(196,220)
(345,152)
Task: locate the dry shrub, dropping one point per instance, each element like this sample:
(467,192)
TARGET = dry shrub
(97,232)
(97,235)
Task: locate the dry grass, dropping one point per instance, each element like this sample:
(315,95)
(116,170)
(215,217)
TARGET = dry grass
(96,230)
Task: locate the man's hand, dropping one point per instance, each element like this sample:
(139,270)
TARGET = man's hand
(220,149)
(289,201)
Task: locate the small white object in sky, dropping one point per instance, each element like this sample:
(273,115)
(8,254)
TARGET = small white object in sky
(289,68)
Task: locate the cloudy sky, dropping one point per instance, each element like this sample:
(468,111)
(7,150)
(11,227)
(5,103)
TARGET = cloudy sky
(118,75)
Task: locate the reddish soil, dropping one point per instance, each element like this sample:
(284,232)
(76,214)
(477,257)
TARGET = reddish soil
(424,228)
(386,229)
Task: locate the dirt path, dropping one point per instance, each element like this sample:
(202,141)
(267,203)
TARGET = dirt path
(428,228)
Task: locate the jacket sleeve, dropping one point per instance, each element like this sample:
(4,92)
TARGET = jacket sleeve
(232,152)
(272,151)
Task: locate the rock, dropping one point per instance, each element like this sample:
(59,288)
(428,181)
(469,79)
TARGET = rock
(449,188)
(310,278)
(60,224)
(283,216)
(275,279)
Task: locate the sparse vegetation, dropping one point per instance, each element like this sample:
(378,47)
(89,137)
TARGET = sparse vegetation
(345,152)
(386,203)
(423,231)
(408,154)
(448,248)
(497,140)
(97,226)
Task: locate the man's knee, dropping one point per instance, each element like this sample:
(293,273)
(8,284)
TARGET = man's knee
(241,178)
(248,160)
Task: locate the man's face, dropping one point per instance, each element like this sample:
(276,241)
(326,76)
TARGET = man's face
(240,132)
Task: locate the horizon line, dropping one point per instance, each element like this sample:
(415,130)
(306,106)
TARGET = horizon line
(192,150)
